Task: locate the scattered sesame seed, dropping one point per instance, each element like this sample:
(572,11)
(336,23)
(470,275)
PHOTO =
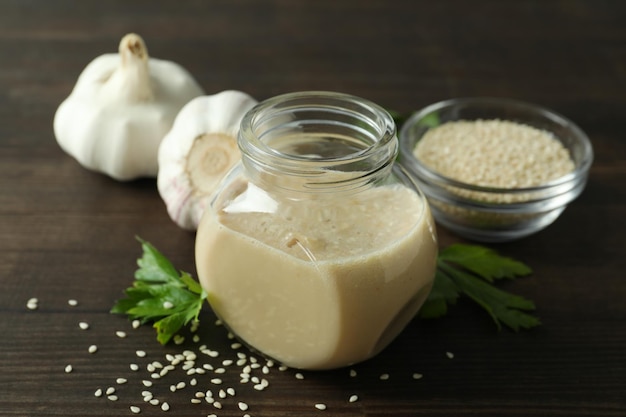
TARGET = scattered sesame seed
(134,367)
(168,305)
(180,385)
(299,375)
(32,303)
(193,382)
(450,355)
(221,394)
(353,398)
(112,397)
(196,401)
(217,404)
(178,339)
(384,377)
(98,392)
(72,302)
(134,409)
(216,381)
(93,349)
(141,353)
(154,401)
(136,324)
(235,345)
(146,383)
(352,373)
(68,369)
(165,406)
(121,380)
(194,325)
(242,406)
(417,376)
(83,325)
(320,406)
(196,338)
(120,334)
(230,391)
(110,390)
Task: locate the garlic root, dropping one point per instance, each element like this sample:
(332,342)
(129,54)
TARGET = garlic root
(198,151)
(210,156)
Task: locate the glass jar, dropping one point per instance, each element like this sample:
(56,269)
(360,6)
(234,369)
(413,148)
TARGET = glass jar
(317,250)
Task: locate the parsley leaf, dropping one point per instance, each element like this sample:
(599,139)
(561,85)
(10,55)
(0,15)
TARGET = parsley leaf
(470,270)
(161,294)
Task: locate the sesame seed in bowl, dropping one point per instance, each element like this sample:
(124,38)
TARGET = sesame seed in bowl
(495,169)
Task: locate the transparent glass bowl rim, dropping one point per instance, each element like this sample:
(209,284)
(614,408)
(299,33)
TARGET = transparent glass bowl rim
(426,174)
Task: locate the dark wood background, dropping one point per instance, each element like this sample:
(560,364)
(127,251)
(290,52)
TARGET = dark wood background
(66,233)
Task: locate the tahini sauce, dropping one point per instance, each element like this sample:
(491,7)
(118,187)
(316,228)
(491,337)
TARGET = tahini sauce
(322,284)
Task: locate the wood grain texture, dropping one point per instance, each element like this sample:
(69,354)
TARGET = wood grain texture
(69,233)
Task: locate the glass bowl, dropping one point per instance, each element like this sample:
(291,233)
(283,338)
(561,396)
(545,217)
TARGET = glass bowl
(495,214)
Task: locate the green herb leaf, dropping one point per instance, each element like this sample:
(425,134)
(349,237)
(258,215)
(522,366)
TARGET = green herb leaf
(470,270)
(483,262)
(444,292)
(161,294)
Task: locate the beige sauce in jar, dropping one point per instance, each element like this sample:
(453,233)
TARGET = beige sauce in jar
(318,285)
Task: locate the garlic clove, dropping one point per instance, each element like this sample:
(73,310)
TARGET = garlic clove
(198,151)
(120,109)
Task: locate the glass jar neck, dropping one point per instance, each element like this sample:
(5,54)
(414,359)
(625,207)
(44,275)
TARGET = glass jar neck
(317,143)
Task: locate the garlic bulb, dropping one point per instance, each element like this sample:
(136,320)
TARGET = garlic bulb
(121,108)
(198,151)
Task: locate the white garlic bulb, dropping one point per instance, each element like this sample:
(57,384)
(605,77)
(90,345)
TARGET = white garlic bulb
(120,109)
(198,151)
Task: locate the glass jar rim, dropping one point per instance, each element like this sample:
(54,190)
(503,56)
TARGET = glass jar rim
(249,142)
(360,137)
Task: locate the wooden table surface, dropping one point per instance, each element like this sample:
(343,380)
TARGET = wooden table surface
(67,233)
